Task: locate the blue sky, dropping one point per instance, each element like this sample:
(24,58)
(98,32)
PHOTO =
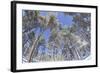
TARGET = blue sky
(64,19)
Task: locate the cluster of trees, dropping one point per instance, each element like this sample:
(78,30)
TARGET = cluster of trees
(64,43)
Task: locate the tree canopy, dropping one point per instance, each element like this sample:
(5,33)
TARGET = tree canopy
(46,38)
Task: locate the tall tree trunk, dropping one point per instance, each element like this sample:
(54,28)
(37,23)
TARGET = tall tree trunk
(33,49)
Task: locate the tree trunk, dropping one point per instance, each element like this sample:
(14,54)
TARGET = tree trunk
(33,49)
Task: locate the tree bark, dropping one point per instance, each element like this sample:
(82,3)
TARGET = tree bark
(33,49)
